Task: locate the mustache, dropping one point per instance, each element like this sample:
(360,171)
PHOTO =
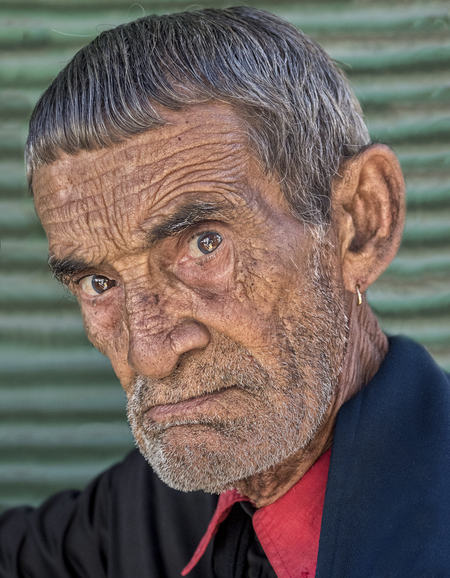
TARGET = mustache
(201,374)
(223,364)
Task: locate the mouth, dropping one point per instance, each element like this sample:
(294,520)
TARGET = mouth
(188,407)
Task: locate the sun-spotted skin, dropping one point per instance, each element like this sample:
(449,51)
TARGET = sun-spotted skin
(261,296)
(99,206)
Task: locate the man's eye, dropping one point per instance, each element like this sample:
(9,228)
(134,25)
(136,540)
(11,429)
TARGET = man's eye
(204,243)
(95,284)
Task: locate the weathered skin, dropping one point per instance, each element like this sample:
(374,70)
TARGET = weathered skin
(172,307)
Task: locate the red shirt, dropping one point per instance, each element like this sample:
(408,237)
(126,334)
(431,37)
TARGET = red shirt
(288,529)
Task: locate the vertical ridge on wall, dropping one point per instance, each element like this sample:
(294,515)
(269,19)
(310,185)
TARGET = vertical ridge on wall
(62,410)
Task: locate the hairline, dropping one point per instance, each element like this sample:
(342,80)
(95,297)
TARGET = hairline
(269,139)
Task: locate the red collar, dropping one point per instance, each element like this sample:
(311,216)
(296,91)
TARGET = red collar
(288,529)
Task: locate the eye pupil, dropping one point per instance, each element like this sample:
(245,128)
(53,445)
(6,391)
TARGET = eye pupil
(100,284)
(208,242)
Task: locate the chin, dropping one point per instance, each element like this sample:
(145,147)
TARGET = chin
(215,456)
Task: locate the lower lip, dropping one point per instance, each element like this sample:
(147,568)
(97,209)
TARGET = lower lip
(183,408)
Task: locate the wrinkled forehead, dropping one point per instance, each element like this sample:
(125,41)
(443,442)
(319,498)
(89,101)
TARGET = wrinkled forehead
(155,153)
(200,151)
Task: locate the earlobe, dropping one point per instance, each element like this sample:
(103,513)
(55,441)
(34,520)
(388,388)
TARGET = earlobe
(368,213)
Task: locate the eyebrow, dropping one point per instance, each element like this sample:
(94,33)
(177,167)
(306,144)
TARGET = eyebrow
(189,215)
(64,269)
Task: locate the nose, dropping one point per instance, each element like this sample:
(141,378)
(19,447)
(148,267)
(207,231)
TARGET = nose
(157,339)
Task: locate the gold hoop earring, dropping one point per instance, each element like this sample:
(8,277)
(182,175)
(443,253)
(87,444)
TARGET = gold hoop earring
(359,299)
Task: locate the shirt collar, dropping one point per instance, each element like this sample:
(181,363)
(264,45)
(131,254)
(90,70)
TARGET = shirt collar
(288,529)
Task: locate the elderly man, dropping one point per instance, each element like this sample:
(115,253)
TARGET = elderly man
(211,197)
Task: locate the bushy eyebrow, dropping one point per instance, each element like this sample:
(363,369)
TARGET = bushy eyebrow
(188,215)
(65,269)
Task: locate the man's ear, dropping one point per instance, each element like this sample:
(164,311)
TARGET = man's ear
(368,212)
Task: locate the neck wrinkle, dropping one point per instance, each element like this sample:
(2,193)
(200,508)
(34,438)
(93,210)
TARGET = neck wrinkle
(366,349)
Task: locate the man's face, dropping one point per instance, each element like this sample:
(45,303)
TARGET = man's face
(222,315)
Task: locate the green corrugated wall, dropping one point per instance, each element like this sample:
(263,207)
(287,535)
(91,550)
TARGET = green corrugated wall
(62,412)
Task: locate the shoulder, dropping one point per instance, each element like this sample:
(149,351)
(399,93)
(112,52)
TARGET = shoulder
(402,417)
(408,383)
(134,489)
(388,488)
(126,523)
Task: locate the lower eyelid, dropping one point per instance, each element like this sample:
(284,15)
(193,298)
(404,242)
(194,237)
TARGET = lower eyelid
(200,262)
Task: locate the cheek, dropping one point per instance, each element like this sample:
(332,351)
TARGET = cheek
(250,312)
(103,321)
(214,273)
(266,280)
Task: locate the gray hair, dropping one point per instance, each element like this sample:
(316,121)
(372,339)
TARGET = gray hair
(300,114)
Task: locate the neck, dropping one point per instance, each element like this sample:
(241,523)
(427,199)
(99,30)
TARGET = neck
(367,347)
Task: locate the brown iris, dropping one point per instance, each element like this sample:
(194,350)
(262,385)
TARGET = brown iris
(208,242)
(101,284)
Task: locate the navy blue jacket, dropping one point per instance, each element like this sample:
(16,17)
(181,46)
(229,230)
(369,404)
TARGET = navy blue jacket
(386,513)
(387,503)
